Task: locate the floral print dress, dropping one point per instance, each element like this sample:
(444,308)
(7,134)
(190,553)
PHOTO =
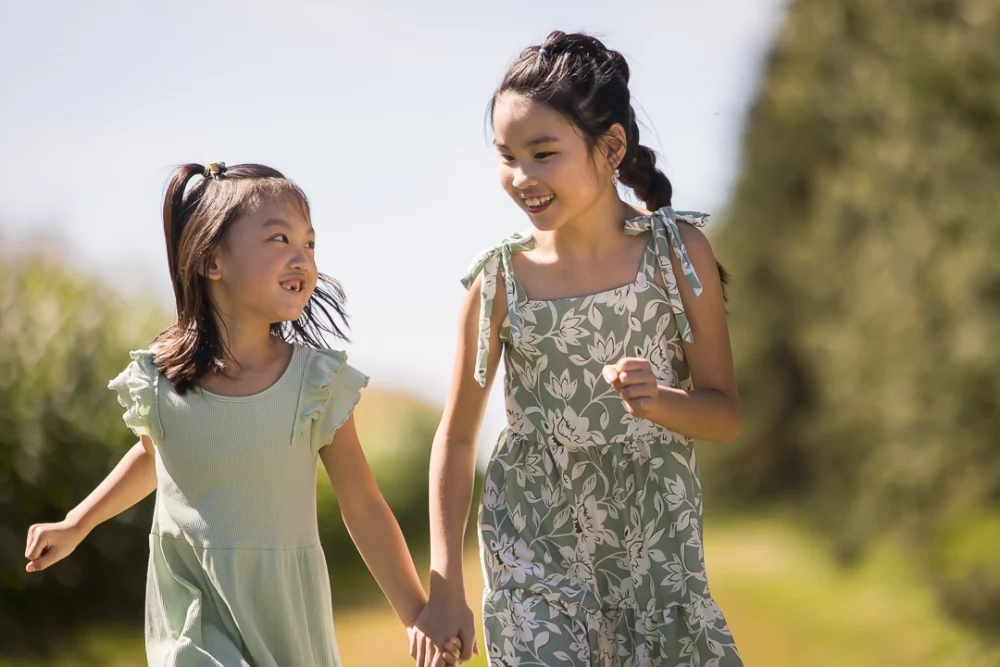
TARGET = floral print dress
(590,523)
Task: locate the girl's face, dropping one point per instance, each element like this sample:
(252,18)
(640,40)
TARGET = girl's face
(265,268)
(545,164)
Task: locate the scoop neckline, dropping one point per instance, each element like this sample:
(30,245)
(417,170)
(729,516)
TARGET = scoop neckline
(263,392)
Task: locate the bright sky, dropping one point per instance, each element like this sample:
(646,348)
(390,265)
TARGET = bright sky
(375,108)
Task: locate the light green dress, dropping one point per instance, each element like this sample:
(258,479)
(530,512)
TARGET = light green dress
(590,523)
(236,574)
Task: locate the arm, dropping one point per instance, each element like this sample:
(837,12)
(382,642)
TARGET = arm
(371,523)
(710,411)
(132,479)
(452,470)
(378,538)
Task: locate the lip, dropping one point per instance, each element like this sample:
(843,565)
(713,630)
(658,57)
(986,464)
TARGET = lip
(294,285)
(535,210)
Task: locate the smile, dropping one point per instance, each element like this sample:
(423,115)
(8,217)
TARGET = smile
(292,285)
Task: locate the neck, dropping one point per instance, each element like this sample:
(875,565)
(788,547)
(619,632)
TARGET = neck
(245,343)
(595,230)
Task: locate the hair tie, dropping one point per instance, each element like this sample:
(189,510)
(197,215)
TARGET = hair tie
(214,170)
(543,52)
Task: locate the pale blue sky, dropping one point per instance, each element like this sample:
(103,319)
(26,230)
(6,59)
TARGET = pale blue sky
(375,108)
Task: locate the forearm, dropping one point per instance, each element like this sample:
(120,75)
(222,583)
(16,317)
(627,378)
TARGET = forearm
(378,538)
(705,414)
(132,479)
(453,468)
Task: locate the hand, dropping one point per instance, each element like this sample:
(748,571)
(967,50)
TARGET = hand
(437,626)
(49,543)
(635,382)
(425,652)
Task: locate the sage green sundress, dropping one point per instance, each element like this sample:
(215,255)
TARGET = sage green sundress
(236,572)
(590,522)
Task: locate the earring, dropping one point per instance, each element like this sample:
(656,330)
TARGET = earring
(615,176)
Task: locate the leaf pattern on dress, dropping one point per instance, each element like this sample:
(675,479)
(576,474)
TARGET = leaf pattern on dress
(590,519)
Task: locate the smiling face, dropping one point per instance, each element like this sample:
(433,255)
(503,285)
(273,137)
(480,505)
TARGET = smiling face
(265,268)
(545,164)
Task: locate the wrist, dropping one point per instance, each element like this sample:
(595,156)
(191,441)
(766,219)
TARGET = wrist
(447,584)
(77,520)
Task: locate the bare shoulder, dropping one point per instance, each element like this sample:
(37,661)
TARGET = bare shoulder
(696,242)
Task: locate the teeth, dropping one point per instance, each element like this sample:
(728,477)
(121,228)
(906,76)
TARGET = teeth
(535,202)
(292,286)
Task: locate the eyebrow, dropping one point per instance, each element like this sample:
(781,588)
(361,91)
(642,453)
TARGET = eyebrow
(534,142)
(278,222)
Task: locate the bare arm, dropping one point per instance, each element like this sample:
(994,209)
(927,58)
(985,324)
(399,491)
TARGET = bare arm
(453,467)
(710,411)
(371,523)
(132,479)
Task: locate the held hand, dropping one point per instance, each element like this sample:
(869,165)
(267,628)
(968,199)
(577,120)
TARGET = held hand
(635,382)
(425,652)
(49,543)
(444,621)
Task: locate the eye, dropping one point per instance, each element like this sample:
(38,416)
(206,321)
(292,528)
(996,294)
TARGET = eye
(506,158)
(283,238)
(543,155)
(311,245)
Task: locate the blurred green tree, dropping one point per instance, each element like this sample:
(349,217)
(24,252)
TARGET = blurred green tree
(864,237)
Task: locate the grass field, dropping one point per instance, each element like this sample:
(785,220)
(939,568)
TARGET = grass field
(787,604)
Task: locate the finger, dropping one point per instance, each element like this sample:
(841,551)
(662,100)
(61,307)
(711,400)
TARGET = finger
(31,538)
(467,644)
(428,652)
(454,648)
(413,644)
(632,364)
(40,564)
(475,647)
(638,376)
(638,391)
(419,650)
(38,545)
(610,374)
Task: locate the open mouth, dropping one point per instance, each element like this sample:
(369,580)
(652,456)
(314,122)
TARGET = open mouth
(293,285)
(538,204)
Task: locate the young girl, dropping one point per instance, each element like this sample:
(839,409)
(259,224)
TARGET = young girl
(233,404)
(612,327)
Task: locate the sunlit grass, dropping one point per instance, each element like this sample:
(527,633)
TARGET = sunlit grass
(786,601)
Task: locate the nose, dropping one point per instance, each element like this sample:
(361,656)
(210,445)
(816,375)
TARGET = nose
(522,180)
(300,260)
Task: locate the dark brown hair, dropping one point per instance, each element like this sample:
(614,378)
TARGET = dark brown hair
(195,221)
(587,83)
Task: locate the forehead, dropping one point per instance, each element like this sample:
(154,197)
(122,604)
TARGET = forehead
(281,206)
(518,120)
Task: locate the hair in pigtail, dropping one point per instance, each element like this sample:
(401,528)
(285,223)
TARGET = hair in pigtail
(195,220)
(587,83)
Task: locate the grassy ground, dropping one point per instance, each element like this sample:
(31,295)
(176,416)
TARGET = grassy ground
(786,602)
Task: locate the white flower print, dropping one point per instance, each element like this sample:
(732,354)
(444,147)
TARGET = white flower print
(640,541)
(517,421)
(570,331)
(590,517)
(605,350)
(570,429)
(513,559)
(622,300)
(578,567)
(494,497)
(562,388)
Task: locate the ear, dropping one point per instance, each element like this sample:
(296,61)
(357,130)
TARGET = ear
(211,270)
(614,143)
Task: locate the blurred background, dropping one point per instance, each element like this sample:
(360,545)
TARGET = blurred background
(850,154)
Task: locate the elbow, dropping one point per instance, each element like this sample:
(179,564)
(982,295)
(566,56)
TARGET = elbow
(733,425)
